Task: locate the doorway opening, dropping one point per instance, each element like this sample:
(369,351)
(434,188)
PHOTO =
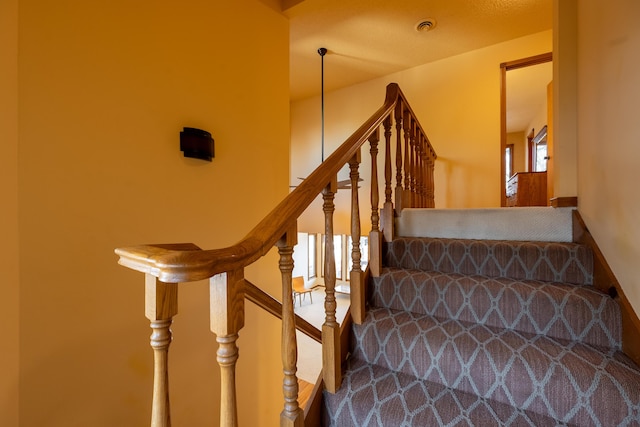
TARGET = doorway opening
(515,109)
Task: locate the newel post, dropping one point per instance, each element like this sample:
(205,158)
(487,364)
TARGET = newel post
(226,297)
(161,304)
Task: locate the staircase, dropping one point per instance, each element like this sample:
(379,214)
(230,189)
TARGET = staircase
(493,319)
(468,331)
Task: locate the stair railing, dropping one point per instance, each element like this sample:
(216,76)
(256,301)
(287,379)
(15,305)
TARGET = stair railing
(167,265)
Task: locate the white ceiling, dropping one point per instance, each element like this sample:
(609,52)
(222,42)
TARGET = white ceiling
(527,95)
(372,38)
(367,39)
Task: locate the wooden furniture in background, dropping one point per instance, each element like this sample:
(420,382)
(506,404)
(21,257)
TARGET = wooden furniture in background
(299,290)
(504,67)
(527,189)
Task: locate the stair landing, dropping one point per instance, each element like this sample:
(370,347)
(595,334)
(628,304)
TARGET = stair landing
(543,224)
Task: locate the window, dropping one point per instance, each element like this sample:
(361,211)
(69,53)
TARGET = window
(541,157)
(312,256)
(337,253)
(508,161)
(538,151)
(364,253)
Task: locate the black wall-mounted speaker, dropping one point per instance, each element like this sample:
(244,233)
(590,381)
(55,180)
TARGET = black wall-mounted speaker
(197,144)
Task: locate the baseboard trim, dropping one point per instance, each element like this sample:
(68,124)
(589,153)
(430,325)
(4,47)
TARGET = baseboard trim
(563,202)
(605,281)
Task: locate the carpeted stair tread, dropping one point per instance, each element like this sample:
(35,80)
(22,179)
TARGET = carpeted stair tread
(463,332)
(567,381)
(545,261)
(570,312)
(374,396)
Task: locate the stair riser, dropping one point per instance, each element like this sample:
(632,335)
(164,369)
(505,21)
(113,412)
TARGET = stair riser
(529,372)
(551,262)
(567,312)
(530,223)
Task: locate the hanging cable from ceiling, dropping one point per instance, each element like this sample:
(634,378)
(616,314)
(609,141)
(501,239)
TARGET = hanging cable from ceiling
(322,52)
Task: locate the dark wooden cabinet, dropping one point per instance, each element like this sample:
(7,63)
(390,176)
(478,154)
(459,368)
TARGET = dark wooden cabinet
(527,189)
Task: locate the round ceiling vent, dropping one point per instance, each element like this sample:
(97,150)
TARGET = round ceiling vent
(425,24)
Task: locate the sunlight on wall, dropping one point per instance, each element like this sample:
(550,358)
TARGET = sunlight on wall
(9,260)
(608,135)
(105,88)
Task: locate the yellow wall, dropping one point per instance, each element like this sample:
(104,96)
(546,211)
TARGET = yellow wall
(9,239)
(519,141)
(608,133)
(457,100)
(104,90)
(565,110)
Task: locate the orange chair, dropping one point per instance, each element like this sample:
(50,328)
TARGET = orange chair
(299,290)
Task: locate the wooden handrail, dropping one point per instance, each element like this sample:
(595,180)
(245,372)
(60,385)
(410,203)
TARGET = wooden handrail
(274,307)
(166,265)
(170,264)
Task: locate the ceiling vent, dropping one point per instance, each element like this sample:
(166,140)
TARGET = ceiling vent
(425,25)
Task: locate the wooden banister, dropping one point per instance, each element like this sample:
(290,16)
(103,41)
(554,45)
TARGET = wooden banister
(166,265)
(273,306)
(175,264)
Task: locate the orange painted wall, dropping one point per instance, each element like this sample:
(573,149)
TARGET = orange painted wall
(457,101)
(608,159)
(9,237)
(104,90)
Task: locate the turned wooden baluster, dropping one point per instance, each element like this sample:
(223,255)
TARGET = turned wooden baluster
(161,304)
(398,117)
(292,415)
(375,236)
(387,208)
(387,160)
(429,175)
(331,372)
(226,301)
(413,167)
(430,172)
(419,169)
(423,171)
(406,193)
(357,286)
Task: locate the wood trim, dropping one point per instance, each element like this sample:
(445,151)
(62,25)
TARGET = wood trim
(313,404)
(551,161)
(504,67)
(530,148)
(345,335)
(605,280)
(528,61)
(503,133)
(563,202)
(273,306)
